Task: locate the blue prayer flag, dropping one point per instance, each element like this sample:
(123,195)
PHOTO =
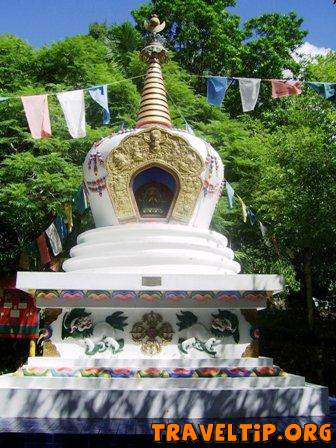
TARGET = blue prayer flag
(251,216)
(61,227)
(325,89)
(217,87)
(230,193)
(99,94)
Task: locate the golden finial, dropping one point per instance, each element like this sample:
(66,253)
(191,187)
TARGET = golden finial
(154,25)
(154,105)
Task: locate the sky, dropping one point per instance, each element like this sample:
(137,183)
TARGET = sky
(41,22)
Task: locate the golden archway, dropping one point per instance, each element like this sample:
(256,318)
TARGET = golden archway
(156,146)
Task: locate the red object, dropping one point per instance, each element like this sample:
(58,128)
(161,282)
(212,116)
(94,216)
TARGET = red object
(282,88)
(43,249)
(19,317)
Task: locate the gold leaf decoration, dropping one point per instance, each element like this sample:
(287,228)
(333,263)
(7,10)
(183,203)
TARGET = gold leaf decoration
(154,146)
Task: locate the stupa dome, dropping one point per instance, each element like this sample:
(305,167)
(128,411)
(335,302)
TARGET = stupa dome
(117,168)
(153,191)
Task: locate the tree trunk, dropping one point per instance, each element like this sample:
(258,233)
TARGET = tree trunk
(309,286)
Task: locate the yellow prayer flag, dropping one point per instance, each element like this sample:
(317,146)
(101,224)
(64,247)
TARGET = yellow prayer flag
(243,206)
(24,260)
(68,215)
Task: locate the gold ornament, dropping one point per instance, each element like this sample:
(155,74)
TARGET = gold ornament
(154,25)
(252,350)
(50,350)
(154,146)
(152,333)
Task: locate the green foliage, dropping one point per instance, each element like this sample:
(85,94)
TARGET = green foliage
(270,40)
(204,35)
(16,62)
(32,190)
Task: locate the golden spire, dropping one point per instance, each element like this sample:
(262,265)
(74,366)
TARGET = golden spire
(154,105)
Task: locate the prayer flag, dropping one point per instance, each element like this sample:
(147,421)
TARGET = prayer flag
(251,216)
(263,229)
(281,88)
(122,129)
(275,244)
(99,94)
(61,228)
(54,239)
(249,92)
(325,89)
(230,193)
(217,87)
(68,215)
(189,129)
(243,206)
(80,200)
(37,114)
(43,249)
(55,264)
(73,107)
(24,260)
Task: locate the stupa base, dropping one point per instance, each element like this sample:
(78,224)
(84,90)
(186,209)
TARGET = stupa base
(94,402)
(162,391)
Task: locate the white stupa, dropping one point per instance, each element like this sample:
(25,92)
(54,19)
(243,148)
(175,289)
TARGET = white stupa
(152,317)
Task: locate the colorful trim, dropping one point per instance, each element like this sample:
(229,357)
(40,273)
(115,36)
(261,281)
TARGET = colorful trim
(152,372)
(151,296)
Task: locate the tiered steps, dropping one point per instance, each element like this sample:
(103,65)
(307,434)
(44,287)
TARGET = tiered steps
(194,388)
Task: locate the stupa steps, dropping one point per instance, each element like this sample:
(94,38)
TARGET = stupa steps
(152,232)
(147,246)
(95,398)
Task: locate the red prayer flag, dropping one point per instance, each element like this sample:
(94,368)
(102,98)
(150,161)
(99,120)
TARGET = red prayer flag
(275,244)
(43,249)
(281,88)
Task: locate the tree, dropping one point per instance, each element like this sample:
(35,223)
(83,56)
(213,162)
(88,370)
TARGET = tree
(36,172)
(16,62)
(33,189)
(206,37)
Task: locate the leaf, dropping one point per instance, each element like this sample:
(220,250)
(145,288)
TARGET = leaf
(179,345)
(117,320)
(121,343)
(186,320)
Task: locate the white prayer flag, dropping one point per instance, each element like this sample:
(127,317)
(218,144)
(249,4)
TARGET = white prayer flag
(263,229)
(99,94)
(249,92)
(54,238)
(73,107)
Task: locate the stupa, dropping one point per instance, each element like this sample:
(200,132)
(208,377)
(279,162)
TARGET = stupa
(151,317)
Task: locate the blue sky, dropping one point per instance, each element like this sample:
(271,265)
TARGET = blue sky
(43,21)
